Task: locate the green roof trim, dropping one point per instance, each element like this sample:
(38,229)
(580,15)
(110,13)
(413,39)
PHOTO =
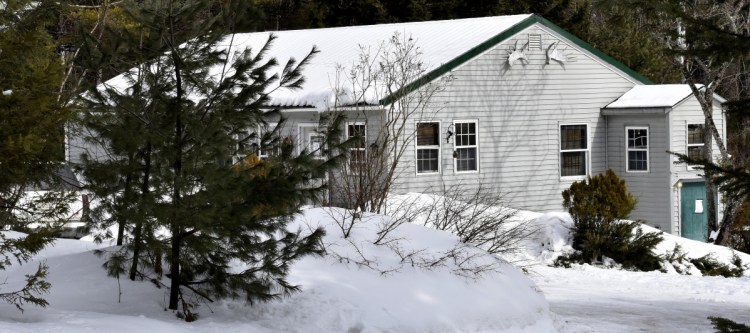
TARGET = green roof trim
(499,38)
(586,46)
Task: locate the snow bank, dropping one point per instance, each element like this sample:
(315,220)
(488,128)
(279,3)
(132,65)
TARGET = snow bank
(553,239)
(340,292)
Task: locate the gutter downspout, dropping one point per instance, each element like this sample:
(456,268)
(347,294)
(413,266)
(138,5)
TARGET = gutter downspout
(606,141)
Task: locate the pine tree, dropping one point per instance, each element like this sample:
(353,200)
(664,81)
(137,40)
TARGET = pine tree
(31,145)
(190,106)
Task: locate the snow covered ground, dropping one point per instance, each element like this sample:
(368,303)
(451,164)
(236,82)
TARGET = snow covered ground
(338,295)
(341,296)
(591,299)
(594,299)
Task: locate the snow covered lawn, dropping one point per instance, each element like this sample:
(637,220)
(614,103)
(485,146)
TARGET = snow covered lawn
(591,299)
(341,295)
(338,294)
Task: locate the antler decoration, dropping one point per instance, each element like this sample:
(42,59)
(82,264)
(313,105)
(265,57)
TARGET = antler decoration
(557,55)
(517,54)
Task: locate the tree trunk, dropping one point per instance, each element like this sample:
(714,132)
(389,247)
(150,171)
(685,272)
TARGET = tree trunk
(138,231)
(121,220)
(712,223)
(176,229)
(174,269)
(731,208)
(126,197)
(705,99)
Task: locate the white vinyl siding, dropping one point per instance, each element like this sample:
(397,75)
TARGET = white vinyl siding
(636,149)
(428,147)
(574,150)
(652,188)
(519,111)
(466,156)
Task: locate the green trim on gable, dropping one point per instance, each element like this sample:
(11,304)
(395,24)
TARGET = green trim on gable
(499,38)
(586,46)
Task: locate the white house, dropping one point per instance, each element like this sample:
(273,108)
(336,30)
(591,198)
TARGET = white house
(529,109)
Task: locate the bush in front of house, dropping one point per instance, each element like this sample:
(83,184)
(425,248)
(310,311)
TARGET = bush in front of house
(724,325)
(709,266)
(598,206)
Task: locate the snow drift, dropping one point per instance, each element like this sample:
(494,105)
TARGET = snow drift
(356,287)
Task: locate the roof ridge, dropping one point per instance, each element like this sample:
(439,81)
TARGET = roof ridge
(411,23)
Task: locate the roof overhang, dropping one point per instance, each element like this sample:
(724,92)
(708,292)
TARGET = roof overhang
(635,111)
(343,108)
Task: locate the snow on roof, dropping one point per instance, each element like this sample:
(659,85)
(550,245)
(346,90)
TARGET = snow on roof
(652,96)
(439,41)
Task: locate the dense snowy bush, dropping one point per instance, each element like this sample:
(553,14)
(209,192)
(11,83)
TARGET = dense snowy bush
(598,205)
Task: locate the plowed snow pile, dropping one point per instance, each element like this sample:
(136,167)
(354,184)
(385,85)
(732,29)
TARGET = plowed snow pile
(419,280)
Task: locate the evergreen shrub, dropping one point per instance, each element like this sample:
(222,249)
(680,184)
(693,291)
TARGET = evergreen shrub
(724,325)
(709,266)
(598,206)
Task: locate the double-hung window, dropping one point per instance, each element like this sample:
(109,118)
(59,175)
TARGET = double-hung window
(428,147)
(466,146)
(249,143)
(310,140)
(696,140)
(574,150)
(315,143)
(261,146)
(357,151)
(637,149)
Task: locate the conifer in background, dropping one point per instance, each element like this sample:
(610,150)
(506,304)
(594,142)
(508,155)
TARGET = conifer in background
(33,199)
(170,126)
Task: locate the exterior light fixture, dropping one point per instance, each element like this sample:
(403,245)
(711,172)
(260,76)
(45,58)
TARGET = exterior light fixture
(449,134)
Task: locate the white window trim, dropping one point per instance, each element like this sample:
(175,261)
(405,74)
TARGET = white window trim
(628,149)
(560,151)
(347,137)
(261,153)
(439,148)
(455,160)
(688,144)
(303,141)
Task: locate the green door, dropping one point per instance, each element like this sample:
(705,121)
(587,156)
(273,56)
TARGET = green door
(693,214)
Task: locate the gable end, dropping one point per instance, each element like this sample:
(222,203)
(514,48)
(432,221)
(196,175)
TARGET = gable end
(499,38)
